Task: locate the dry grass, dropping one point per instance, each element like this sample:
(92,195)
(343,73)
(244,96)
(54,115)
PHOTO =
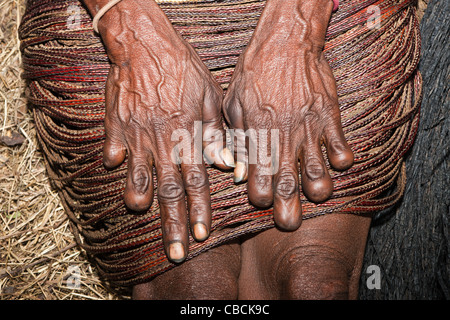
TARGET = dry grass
(38,256)
(37,249)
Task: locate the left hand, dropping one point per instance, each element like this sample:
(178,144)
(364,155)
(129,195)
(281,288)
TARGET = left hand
(283,82)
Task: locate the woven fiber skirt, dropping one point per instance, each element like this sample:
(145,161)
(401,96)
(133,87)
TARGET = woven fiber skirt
(373,48)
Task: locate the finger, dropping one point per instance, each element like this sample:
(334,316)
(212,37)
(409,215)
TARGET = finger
(114,151)
(339,152)
(196,184)
(171,197)
(316,181)
(238,139)
(260,174)
(287,206)
(234,115)
(214,131)
(138,194)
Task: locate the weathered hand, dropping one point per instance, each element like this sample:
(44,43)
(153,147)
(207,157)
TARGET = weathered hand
(283,82)
(156,90)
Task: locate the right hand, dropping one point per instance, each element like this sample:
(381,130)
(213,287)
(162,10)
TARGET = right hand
(157,84)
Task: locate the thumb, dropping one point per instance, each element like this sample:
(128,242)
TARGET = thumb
(214,135)
(234,115)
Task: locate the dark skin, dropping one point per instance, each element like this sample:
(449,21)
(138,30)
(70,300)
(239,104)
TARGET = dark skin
(320,260)
(287,48)
(145,105)
(171,88)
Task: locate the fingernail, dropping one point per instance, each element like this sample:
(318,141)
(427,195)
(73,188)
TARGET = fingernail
(240,172)
(176,252)
(227,157)
(200,231)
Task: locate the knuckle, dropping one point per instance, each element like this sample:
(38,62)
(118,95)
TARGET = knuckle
(311,116)
(286,185)
(173,227)
(170,189)
(195,179)
(314,169)
(140,176)
(263,181)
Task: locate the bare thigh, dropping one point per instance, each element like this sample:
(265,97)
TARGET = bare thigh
(211,275)
(320,260)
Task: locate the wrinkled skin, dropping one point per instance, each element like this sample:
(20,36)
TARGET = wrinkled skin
(287,49)
(282,82)
(151,91)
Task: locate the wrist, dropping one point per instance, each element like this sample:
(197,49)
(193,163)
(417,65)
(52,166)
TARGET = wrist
(102,12)
(129,24)
(297,17)
(138,14)
(130,14)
